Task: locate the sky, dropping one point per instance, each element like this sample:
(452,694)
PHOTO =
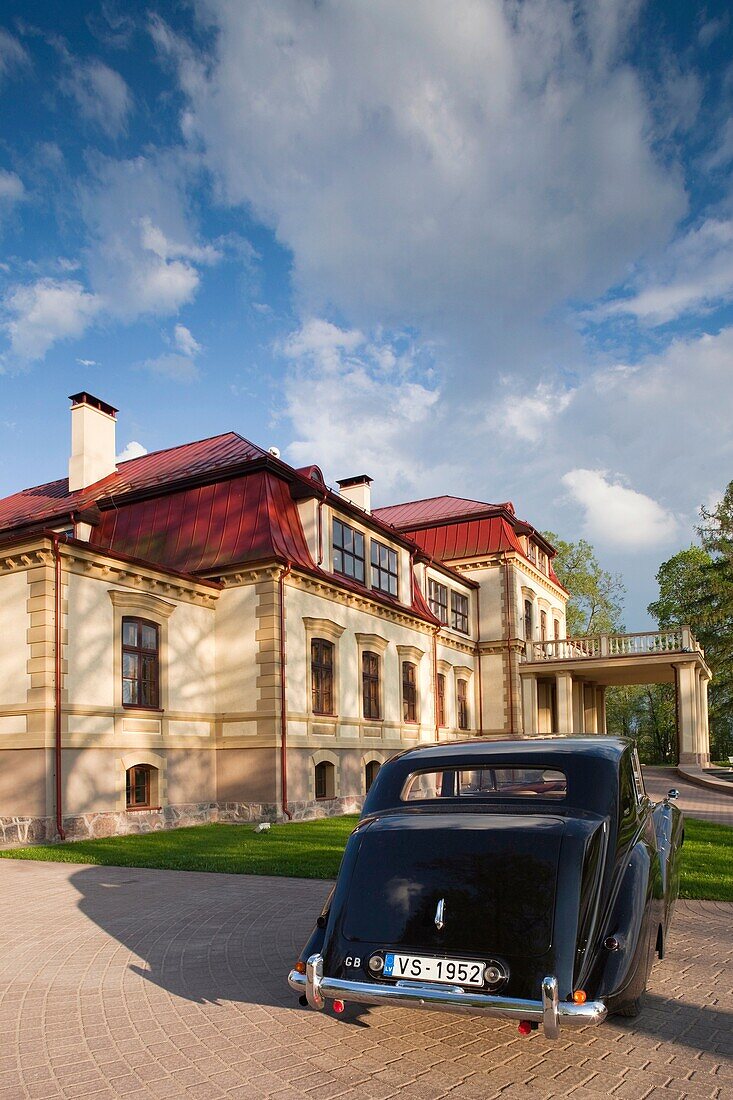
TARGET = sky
(482,248)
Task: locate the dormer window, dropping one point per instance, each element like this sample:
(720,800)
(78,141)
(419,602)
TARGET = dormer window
(532,552)
(384,568)
(348,551)
(459,612)
(438,599)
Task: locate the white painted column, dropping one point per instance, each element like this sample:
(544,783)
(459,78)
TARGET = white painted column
(705,731)
(688,717)
(529,706)
(564,696)
(601,710)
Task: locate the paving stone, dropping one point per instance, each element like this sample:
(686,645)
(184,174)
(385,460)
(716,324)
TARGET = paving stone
(163,985)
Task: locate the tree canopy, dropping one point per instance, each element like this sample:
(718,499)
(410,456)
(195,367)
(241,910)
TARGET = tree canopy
(596,596)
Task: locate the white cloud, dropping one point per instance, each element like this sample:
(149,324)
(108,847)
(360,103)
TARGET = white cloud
(695,273)
(12,54)
(101,94)
(179,368)
(185,341)
(11,187)
(132,450)
(461,168)
(88,362)
(41,313)
(615,515)
(530,415)
(361,404)
(143,257)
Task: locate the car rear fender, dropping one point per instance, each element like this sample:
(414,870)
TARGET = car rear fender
(631,921)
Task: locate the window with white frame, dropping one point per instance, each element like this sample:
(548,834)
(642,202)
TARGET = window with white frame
(348,551)
(384,568)
(459,612)
(438,599)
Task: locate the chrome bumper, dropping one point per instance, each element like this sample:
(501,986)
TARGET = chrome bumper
(551,1012)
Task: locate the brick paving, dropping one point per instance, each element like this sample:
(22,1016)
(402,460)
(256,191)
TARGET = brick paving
(122,982)
(707,804)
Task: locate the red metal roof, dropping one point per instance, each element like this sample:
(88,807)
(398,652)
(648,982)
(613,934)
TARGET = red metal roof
(467,539)
(432,509)
(44,503)
(200,530)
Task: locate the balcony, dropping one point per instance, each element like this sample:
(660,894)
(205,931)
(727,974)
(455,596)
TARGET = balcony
(643,644)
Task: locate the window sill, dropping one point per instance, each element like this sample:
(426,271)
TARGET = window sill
(145,710)
(143,809)
(319,716)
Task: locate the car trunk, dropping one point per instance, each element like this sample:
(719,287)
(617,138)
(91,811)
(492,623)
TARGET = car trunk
(495,874)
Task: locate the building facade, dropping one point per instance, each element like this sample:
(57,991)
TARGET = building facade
(206,633)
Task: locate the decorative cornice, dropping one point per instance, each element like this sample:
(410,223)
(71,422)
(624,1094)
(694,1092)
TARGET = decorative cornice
(410,653)
(371,641)
(326,627)
(141,601)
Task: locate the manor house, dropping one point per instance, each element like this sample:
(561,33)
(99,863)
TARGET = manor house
(207,633)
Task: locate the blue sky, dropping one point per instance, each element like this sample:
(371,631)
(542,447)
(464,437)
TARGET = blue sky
(482,248)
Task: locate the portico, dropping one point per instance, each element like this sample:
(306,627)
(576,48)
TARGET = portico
(564,683)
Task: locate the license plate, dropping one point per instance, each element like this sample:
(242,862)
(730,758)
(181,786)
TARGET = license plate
(420,968)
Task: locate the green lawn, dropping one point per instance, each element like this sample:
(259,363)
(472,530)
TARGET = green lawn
(304,849)
(312,849)
(707,861)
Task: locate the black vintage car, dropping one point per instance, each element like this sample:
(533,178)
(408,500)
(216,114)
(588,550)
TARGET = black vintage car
(532,880)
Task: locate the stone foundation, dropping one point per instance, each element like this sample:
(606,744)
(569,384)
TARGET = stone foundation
(21,831)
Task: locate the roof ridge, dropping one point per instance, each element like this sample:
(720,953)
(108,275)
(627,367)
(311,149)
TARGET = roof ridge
(180,446)
(440,496)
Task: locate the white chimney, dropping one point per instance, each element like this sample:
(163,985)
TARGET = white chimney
(92,441)
(358,490)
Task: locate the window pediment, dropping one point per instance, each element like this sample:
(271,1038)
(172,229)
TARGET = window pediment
(142,603)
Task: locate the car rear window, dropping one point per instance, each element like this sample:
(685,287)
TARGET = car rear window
(491,783)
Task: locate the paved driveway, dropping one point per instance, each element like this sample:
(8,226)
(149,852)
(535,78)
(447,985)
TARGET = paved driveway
(703,802)
(122,982)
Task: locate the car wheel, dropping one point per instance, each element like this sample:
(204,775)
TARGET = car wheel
(631,1009)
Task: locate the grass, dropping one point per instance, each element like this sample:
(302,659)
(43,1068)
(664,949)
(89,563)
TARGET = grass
(707,861)
(312,849)
(304,849)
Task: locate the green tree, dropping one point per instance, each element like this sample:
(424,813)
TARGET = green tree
(596,596)
(682,582)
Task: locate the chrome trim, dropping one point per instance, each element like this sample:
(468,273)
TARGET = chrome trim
(439,922)
(550,1008)
(551,1012)
(314,982)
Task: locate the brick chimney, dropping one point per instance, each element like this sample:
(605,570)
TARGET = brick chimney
(358,490)
(92,440)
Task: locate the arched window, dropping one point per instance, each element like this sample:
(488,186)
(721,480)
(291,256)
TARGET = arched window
(140,663)
(325,780)
(322,675)
(543,626)
(141,787)
(370,773)
(409,692)
(556,624)
(528,620)
(370,684)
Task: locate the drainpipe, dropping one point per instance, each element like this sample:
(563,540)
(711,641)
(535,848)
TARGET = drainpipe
(320,532)
(508,602)
(58,635)
(283,697)
(436,632)
(478,665)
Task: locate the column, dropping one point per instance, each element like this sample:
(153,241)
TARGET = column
(688,717)
(529,706)
(564,696)
(705,730)
(601,709)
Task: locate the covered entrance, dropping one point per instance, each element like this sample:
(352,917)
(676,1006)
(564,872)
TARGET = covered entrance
(564,683)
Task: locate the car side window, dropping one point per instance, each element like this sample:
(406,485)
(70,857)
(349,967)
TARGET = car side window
(627,793)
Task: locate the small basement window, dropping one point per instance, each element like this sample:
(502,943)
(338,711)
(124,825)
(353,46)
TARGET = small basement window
(325,780)
(141,791)
(493,783)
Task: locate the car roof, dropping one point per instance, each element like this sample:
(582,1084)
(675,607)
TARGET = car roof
(601,746)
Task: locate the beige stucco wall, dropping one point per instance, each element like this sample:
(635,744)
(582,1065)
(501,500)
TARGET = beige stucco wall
(236,650)
(248,775)
(14,651)
(23,782)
